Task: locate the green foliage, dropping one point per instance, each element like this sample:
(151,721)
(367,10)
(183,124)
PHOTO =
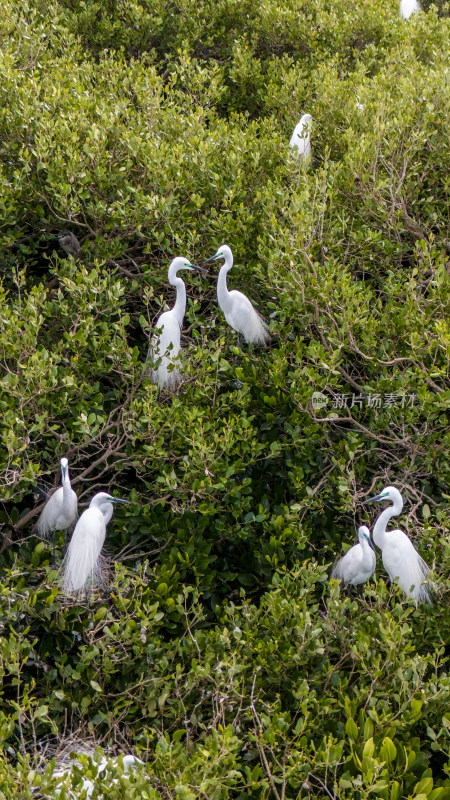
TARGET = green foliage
(221,655)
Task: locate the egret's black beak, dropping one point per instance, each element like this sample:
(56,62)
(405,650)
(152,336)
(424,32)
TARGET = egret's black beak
(213,258)
(373,499)
(118,500)
(200,269)
(370,544)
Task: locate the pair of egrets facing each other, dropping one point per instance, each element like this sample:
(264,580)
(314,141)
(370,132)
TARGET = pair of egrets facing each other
(400,558)
(237,308)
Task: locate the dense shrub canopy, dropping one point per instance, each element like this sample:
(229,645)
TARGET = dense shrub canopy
(221,654)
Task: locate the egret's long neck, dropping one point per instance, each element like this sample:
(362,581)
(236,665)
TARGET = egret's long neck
(223,295)
(107,511)
(365,546)
(67,491)
(179,308)
(379,529)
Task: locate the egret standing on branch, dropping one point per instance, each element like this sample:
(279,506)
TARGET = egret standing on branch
(300,143)
(166,342)
(61,509)
(82,563)
(400,558)
(238,310)
(358,565)
(408,7)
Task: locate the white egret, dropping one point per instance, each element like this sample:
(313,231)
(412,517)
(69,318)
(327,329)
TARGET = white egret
(166,342)
(408,7)
(400,558)
(130,763)
(300,140)
(82,561)
(238,310)
(358,564)
(61,509)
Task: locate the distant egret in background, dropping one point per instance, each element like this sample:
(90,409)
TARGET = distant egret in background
(166,342)
(61,509)
(82,561)
(238,310)
(69,243)
(130,763)
(408,7)
(400,558)
(358,564)
(300,139)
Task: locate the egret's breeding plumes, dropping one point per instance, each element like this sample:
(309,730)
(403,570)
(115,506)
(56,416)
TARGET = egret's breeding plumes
(166,342)
(69,243)
(400,558)
(358,565)
(82,566)
(408,7)
(300,140)
(238,310)
(61,509)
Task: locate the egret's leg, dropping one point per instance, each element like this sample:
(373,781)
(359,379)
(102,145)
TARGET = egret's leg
(54,550)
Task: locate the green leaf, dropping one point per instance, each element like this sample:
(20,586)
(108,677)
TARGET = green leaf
(351,729)
(396,791)
(388,750)
(369,748)
(424,786)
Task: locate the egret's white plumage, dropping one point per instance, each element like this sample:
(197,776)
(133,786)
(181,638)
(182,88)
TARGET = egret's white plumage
(408,7)
(65,770)
(238,310)
(82,562)
(61,509)
(358,564)
(166,342)
(300,140)
(400,558)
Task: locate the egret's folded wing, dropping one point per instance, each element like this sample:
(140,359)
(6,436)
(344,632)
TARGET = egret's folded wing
(81,565)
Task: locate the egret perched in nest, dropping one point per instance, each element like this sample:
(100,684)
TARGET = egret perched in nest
(66,763)
(408,7)
(300,140)
(358,564)
(82,567)
(400,558)
(61,509)
(238,310)
(166,342)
